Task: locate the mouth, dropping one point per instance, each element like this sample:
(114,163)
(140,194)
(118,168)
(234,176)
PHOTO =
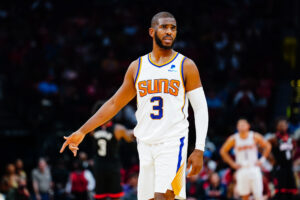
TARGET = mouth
(168,39)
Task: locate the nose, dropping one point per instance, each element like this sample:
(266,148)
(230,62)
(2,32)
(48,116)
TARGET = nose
(169,31)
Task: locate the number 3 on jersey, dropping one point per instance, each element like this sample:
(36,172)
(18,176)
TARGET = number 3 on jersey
(158,108)
(102,147)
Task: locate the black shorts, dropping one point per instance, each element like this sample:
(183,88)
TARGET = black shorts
(108,181)
(285,178)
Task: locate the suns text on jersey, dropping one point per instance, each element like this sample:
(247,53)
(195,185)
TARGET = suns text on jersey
(158,86)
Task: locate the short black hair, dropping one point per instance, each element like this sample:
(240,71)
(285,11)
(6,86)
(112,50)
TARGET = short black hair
(281,118)
(159,15)
(244,119)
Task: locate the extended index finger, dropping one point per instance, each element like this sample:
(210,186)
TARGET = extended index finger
(64,146)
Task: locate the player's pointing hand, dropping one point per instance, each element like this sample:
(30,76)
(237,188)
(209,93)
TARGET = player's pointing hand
(73,141)
(196,162)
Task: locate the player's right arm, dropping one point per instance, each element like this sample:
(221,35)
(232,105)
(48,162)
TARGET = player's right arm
(109,109)
(224,151)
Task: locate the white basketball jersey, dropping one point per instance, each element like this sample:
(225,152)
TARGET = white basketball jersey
(245,150)
(161,101)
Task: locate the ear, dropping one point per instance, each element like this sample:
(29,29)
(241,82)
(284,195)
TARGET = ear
(151,32)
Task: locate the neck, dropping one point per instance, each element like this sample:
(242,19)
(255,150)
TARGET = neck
(244,134)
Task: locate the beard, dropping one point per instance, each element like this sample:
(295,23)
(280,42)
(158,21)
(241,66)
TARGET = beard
(160,44)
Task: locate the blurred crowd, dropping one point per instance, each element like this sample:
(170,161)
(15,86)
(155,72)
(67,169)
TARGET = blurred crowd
(59,57)
(72,180)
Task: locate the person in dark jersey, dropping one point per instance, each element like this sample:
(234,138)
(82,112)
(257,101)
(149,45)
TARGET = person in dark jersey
(107,164)
(283,148)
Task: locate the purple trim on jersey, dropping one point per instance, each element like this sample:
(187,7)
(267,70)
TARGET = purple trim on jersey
(137,73)
(180,153)
(159,66)
(182,70)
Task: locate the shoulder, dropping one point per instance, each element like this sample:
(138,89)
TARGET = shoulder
(257,135)
(134,64)
(189,64)
(35,172)
(231,139)
(191,75)
(133,68)
(229,143)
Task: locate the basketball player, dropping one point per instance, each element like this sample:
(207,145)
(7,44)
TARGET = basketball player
(248,175)
(282,151)
(107,164)
(163,81)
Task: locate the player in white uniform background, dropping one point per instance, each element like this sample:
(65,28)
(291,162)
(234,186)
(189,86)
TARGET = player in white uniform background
(163,81)
(247,165)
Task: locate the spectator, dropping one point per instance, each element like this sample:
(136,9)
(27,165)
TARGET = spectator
(19,169)
(20,193)
(80,183)
(244,102)
(130,188)
(213,189)
(42,181)
(10,178)
(194,187)
(209,165)
(244,97)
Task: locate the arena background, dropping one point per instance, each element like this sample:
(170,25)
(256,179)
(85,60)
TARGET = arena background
(57,58)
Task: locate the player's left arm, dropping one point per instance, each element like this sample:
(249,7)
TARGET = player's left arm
(259,139)
(195,94)
(122,133)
